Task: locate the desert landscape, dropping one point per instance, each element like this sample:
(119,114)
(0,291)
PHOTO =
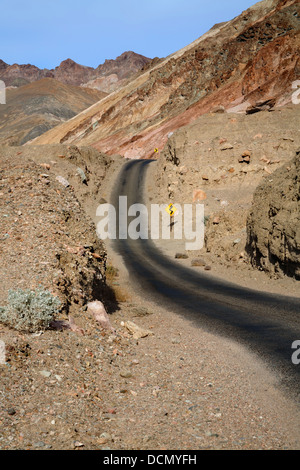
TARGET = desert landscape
(122,344)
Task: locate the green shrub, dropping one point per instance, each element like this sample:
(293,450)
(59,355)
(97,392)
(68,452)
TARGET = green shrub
(28,310)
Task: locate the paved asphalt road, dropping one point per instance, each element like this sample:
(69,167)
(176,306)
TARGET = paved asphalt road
(268,324)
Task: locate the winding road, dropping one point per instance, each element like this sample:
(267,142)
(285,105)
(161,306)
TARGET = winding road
(267,324)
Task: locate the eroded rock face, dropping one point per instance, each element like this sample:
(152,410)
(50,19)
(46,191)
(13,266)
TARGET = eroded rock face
(273,226)
(61,252)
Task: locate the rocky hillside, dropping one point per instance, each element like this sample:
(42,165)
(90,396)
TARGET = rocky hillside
(273,227)
(37,107)
(71,73)
(54,252)
(244,65)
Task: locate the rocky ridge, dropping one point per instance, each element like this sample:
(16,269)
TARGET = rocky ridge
(71,73)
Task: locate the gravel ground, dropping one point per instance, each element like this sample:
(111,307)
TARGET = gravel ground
(180,388)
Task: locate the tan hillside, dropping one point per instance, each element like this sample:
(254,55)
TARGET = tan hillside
(37,107)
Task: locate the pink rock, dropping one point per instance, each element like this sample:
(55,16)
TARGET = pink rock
(98,311)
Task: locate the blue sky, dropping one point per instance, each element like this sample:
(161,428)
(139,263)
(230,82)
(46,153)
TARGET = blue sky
(45,32)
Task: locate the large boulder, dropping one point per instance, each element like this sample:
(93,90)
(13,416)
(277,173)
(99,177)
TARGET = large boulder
(273,226)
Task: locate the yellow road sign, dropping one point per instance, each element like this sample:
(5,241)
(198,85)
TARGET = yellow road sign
(171,209)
